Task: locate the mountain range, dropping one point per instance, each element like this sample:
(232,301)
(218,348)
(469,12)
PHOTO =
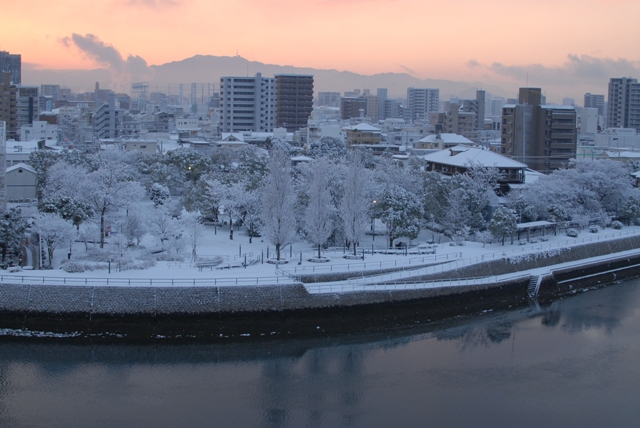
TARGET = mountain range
(209,69)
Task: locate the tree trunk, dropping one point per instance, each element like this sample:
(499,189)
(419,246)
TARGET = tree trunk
(278,252)
(102,229)
(319,255)
(355,253)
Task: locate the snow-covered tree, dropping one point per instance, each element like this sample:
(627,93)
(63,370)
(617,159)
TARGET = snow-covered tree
(250,206)
(318,223)
(231,201)
(193,164)
(159,194)
(356,203)
(109,189)
(193,228)
(12,228)
(203,196)
(631,209)
(401,212)
(457,217)
(584,189)
(503,223)
(41,161)
(278,199)
(73,209)
(162,225)
(156,168)
(132,226)
(327,146)
(54,232)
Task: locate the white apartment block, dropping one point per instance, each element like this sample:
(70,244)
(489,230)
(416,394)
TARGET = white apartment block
(624,103)
(39,130)
(247,104)
(422,102)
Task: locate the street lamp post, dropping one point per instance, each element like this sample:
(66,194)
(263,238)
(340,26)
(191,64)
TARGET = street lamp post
(373,220)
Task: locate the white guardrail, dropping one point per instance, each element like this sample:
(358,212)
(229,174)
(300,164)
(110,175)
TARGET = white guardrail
(321,288)
(345,267)
(142,282)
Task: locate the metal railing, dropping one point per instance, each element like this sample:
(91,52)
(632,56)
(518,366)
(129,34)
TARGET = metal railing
(413,285)
(142,282)
(345,267)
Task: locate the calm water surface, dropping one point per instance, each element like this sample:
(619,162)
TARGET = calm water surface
(575,363)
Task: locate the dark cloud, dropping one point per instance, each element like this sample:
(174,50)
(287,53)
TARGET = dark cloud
(124,71)
(407,69)
(583,68)
(472,63)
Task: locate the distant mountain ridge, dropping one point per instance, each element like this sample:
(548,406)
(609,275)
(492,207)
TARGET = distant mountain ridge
(209,69)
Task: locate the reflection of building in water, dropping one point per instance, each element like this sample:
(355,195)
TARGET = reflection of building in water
(324,383)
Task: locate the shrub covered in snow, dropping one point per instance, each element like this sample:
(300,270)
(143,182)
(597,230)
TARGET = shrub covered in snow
(616,225)
(573,233)
(594,229)
(76,267)
(527,257)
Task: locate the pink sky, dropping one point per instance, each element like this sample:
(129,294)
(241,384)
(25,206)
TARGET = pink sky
(456,39)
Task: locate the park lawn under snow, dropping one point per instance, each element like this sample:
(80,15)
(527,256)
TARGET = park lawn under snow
(218,244)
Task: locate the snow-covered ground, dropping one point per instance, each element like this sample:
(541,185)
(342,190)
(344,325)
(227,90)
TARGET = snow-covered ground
(215,242)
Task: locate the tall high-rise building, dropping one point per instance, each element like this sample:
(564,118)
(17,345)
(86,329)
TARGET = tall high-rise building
(294,100)
(624,103)
(542,136)
(12,64)
(8,107)
(247,103)
(3,169)
(353,107)
(50,91)
(27,105)
(329,99)
(382,94)
(482,103)
(421,102)
(595,101)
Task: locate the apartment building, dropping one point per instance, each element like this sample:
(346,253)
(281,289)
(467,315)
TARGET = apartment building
(542,136)
(247,103)
(624,103)
(294,100)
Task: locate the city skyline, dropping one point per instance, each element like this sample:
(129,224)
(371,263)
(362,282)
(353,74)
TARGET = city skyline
(460,40)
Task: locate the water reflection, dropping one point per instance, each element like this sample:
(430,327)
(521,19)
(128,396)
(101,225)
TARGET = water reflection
(571,363)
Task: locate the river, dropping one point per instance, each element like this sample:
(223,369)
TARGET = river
(573,363)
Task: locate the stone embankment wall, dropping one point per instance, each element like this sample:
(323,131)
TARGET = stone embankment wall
(77,300)
(202,300)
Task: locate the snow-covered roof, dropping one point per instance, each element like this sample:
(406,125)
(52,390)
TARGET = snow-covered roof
(232,136)
(302,159)
(533,224)
(448,138)
(557,107)
(462,156)
(613,154)
(21,166)
(363,127)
